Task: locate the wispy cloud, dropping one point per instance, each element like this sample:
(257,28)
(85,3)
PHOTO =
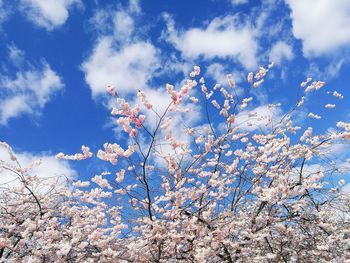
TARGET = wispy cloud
(281,51)
(49,167)
(261,117)
(29,90)
(323,27)
(48,14)
(119,57)
(223,38)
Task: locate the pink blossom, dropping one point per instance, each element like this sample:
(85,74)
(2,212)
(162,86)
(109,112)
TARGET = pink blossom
(341,182)
(258,83)
(261,73)
(200,187)
(329,106)
(81,184)
(304,83)
(230,81)
(101,182)
(194,99)
(338,95)
(196,71)
(314,116)
(250,77)
(215,104)
(120,176)
(78,156)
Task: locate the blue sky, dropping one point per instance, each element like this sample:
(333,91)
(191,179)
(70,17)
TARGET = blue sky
(58,56)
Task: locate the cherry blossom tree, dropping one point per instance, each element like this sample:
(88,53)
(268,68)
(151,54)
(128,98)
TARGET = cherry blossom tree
(233,185)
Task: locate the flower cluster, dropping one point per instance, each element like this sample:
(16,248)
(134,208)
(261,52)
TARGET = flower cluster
(129,117)
(78,156)
(260,189)
(112,152)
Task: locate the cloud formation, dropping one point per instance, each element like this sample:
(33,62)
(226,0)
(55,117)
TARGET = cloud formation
(129,68)
(223,38)
(120,57)
(49,166)
(3,12)
(238,2)
(30,89)
(48,14)
(323,26)
(281,51)
(260,117)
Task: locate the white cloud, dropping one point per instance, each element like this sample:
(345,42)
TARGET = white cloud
(15,55)
(219,73)
(222,38)
(49,167)
(42,84)
(134,6)
(13,107)
(123,26)
(328,71)
(47,13)
(239,2)
(258,118)
(100,21)
(346,188)
(129,67)
(159,98)
(173,66)
(28,91)
(4,13)
(118,23)
(338,150)
(280,51)
(121,57)
(322,25)
(308,170)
